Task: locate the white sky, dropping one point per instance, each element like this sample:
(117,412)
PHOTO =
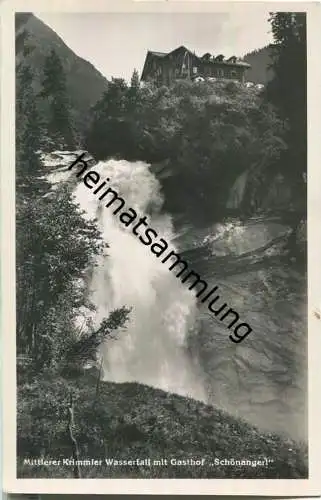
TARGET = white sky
(116,43)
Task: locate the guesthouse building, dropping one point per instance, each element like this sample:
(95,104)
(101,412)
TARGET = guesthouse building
(164,68)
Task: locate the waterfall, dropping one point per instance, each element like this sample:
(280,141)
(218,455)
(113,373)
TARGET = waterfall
(152,349)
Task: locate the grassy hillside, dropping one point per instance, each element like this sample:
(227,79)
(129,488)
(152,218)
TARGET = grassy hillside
(85,84)
(129,421)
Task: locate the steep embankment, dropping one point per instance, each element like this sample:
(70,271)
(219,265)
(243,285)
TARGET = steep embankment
(129,421)
(85,84)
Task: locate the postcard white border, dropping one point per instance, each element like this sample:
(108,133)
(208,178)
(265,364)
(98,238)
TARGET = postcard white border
(279,487)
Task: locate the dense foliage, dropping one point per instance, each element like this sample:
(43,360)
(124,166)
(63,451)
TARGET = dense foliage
(288,89)
(207,134)
(54,90)
(56,248)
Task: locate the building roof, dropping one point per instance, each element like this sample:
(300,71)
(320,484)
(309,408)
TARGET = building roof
(237,63)
(158,54)
(228,62)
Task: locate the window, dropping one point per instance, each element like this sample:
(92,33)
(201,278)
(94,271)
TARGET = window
(234,75)
(194,70)
(220,73)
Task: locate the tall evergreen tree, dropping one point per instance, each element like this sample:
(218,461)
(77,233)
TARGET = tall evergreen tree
(134,82)
(109,125)
(288,89)
(54,89)
(133,93)
(28,124)
(28,136)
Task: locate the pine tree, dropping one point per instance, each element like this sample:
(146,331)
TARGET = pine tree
(55,90)
(288,89)
(28,138)
(28,124)
(109,123)
(133,92)
(30,186)
(134,82)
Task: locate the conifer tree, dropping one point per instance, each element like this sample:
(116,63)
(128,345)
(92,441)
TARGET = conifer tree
(54,89)
(28,124)
(109,122)
(30,186)
(28,136)
(288,89)
(134,82)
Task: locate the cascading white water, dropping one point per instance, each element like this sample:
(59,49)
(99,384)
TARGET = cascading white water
(152,349)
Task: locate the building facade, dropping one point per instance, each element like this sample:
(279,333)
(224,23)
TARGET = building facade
(164,68)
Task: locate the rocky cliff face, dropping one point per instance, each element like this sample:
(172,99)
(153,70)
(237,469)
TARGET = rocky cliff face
(248,261)
(274,194)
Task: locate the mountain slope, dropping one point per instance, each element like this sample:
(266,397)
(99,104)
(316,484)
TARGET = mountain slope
(85,84)
(260,61)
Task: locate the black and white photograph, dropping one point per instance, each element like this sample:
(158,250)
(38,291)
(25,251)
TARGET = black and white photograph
(161,251)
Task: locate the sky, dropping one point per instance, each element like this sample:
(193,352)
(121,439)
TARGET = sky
(116,43)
